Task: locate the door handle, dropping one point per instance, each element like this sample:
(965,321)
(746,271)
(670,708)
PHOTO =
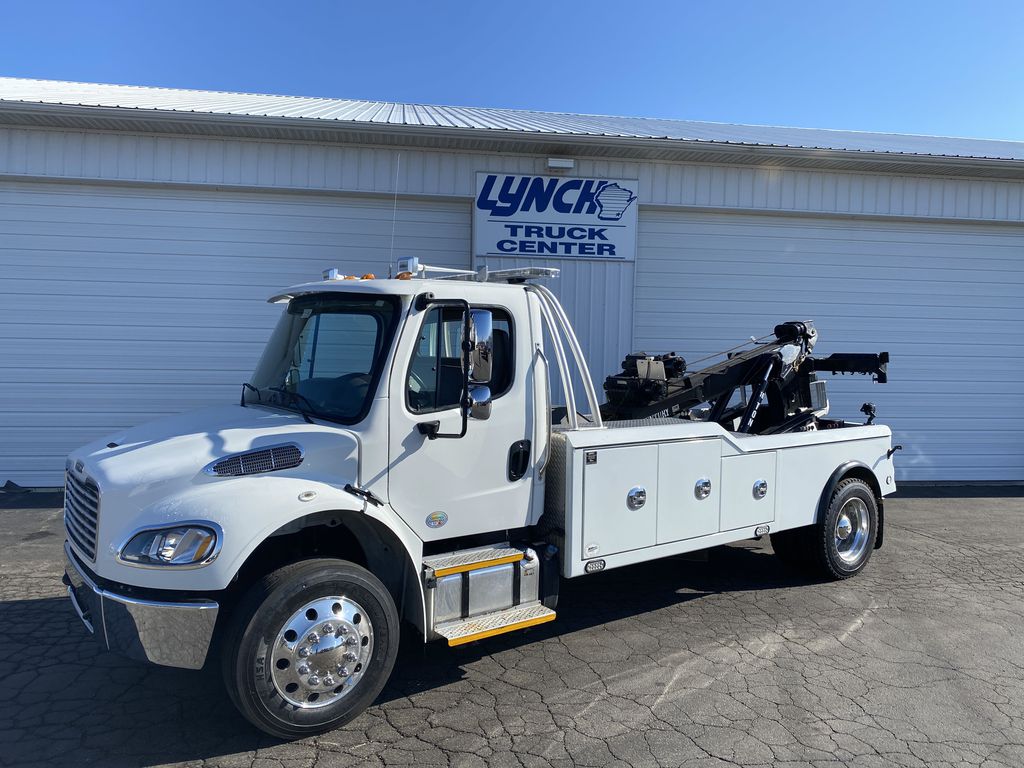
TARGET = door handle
(518,460)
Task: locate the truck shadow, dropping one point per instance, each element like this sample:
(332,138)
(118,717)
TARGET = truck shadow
(75,699)
(601,599)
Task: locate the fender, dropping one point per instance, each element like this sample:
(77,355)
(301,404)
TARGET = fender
(862,471)
(384,516)
(377,545)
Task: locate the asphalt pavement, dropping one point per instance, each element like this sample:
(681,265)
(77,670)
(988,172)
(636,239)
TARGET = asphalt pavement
(919,661)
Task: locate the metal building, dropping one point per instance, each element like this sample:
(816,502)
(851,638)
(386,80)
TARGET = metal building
(141,230)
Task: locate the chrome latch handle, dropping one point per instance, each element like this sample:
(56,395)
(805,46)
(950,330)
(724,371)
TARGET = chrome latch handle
(636,497)
(703,488)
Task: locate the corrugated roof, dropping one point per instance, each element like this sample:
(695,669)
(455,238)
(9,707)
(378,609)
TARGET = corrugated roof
(367,114)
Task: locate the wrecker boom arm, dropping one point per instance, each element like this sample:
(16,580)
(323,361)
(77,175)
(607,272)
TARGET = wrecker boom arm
(784,392)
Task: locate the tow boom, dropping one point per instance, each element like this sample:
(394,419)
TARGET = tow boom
(775,380)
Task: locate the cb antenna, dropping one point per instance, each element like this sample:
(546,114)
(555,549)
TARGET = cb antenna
(394,214)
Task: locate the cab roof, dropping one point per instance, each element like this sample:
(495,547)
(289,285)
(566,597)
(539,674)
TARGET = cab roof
(385,286)
(415,279)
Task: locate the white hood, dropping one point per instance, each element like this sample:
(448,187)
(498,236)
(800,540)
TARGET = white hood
(176,448)
(153,474)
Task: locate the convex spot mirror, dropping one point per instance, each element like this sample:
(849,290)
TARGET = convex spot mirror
(479,402)
(481,346)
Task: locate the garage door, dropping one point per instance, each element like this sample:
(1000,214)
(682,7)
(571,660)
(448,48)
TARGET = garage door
(945,300)
(118,305)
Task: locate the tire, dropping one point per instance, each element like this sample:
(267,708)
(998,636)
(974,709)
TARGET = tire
(287,682)
(853,511)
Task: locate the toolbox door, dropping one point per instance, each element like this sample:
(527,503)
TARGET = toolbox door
(689,479)
(748,490)
(620,499)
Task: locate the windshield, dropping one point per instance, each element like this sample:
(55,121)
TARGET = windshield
(325,356)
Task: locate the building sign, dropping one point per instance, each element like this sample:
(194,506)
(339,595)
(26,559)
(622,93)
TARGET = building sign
(554,216)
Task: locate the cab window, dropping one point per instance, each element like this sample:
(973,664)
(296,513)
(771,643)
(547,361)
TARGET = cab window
(435,375)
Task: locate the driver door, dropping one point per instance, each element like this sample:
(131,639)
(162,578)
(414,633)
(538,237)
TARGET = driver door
(450,487)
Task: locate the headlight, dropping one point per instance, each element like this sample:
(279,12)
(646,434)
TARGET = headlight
(184,545)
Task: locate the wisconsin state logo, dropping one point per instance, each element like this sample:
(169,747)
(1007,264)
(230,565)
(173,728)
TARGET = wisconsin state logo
(612,201)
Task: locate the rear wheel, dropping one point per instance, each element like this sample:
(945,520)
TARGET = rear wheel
(839,545)
(309,647)
(845,536)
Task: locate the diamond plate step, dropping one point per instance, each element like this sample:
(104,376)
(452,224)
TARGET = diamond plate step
(472,559)
(499,622)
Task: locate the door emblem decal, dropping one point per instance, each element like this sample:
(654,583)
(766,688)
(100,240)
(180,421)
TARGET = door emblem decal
(437,519)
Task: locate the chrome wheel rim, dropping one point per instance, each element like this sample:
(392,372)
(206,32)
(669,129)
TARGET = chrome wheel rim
(851,531)
(322,651)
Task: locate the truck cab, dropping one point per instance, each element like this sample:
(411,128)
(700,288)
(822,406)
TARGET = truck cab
(431,449)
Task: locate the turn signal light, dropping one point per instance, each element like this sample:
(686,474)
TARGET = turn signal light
(369,276)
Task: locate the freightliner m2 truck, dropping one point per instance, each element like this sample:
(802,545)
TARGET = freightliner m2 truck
(431,449)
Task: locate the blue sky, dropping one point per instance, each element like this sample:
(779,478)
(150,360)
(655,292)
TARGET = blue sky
(946,68)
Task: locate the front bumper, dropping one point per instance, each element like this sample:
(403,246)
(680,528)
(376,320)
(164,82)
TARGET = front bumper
(167,633)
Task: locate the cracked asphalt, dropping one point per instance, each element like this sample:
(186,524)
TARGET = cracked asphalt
(919,661)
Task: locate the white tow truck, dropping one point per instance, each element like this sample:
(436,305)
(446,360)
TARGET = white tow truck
(396,456)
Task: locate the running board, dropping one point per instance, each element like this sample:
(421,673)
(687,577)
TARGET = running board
(472,560)
(497,623)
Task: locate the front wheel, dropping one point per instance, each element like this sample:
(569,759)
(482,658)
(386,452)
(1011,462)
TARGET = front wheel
(309,647)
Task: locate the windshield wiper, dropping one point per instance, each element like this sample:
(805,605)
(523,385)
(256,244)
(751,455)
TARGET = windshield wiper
(297,399)
(246,385)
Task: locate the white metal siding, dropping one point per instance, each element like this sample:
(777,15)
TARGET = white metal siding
(97,277)
(118,305)
(945,300)
(148,158)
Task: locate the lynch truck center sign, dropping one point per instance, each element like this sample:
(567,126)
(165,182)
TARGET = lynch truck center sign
(554,216)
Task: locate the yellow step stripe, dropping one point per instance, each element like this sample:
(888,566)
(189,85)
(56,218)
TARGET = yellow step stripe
(479,564)
(502,630)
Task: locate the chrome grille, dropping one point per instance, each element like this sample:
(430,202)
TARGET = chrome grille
(265,460)
(81,513)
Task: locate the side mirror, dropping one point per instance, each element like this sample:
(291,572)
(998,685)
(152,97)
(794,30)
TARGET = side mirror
(481,350)
(478,358)
(479,402)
